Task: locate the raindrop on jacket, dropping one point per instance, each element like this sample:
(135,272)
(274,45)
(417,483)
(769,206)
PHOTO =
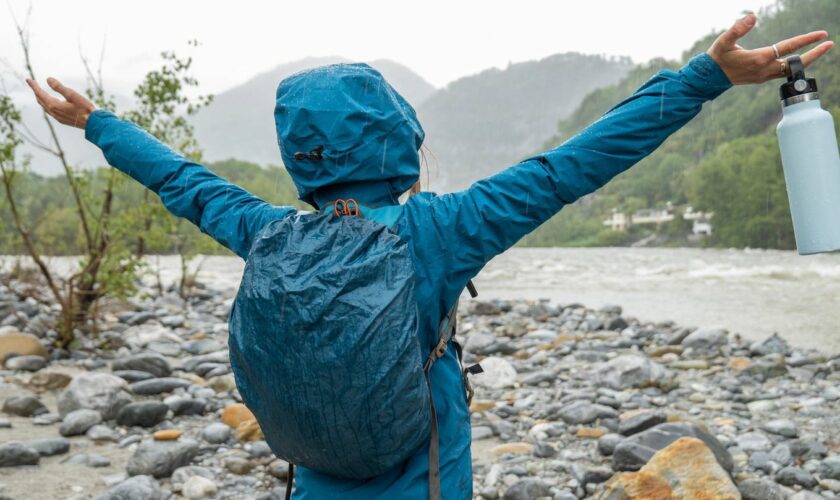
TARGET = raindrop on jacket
(370,137)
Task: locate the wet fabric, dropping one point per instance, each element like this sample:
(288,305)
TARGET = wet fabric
(324,345)
(449,237)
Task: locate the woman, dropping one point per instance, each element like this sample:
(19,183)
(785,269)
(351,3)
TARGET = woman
(450,237)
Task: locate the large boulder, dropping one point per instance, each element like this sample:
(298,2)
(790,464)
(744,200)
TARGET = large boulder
(16,453)
(102,392)
(684,469)
(630,370)
(634,452)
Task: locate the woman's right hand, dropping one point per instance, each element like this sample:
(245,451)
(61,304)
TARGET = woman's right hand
(73,111)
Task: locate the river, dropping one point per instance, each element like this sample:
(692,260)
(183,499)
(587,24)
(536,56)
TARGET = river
(750,292)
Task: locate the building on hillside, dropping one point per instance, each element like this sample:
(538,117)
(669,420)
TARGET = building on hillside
(621,221)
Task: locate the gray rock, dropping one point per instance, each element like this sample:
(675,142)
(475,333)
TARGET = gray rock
(584,412)
(259,449)
(158,385)
(608,442)
(538,377)
(15,453)
(760,460)
(630,370)
(155,364)
(641,421)
(134,488)
(142,414)
(100,433)
(706,339)
(79,421)
(186,406)
(807,449)
(88,459)
(133,375)
(793,476)
(781,454)
(30,363)
(482,308)
(24,406)
(765,369)
(140,318)
(616,324)
(634,452)
(480,432)
(771,345)
(46,419)
(498,373)
(760,489)
(806,495)
(182,474)
(527,489)
(216,433)
(161,458)
(782,427)
(830,467)
(754,441)
(279,468)
(544,449)
(238,465)
(50,446)
(199,487)
(102,392)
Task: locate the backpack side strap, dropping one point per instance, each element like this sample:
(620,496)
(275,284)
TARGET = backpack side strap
(446,332)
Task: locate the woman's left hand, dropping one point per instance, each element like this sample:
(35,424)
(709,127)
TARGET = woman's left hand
(744,66)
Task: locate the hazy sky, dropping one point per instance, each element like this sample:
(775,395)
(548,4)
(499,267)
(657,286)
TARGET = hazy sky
(440,39)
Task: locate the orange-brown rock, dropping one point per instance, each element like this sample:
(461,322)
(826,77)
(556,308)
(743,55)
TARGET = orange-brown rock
(45,380)
(235,414)
(590,432)
(198,336)
(167,435)
(740,364)
(481,405)
(686,469)
(24,344)
(249,430)
(515,448)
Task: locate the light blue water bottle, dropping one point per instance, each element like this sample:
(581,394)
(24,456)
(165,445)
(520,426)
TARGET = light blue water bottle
(811,163)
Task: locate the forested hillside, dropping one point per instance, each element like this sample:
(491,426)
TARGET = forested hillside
(726,160)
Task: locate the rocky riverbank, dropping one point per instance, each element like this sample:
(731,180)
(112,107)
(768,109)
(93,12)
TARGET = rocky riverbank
(573,403)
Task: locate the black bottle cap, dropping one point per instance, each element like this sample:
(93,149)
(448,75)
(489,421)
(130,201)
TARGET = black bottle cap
(797,83)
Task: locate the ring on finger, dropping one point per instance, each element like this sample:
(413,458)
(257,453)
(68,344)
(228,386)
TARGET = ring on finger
(776,51)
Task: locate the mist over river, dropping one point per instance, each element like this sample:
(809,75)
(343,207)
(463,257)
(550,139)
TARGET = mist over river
(751,292)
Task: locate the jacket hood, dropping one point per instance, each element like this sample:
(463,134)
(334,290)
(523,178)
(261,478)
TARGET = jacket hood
(344,132)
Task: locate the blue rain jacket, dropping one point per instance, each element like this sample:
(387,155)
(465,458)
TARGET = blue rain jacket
(450,237)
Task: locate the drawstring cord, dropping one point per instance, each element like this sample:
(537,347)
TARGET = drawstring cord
(346,207)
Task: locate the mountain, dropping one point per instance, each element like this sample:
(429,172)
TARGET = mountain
(239,123)
(482,123)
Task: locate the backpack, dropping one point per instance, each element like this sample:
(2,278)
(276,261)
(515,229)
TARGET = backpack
(325,350)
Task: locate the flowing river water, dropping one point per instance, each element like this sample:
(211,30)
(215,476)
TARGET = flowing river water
(750,292)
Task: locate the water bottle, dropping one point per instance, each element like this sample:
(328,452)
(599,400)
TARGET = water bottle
(811,163)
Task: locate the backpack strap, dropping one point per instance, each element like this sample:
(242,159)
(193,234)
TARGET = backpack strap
(446,332)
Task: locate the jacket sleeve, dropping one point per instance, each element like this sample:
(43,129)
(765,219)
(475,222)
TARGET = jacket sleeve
(494,213)
(228,213)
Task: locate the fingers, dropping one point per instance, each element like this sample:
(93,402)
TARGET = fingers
(792,45)
(738,30)
(817,52)
(66,92)
(44,99)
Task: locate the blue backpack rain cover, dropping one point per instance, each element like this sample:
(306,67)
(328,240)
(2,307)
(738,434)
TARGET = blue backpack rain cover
(324,345)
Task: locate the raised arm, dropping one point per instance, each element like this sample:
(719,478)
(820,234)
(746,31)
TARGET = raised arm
(228,213)
(494,213)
